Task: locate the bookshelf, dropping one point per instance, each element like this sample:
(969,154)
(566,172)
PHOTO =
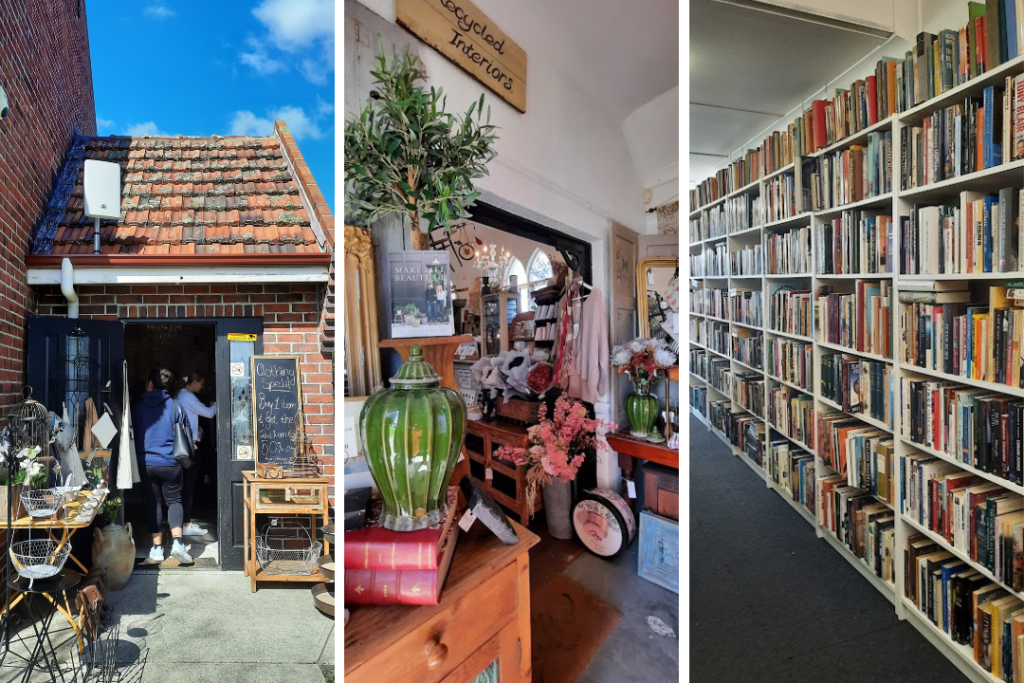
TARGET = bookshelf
(895,201)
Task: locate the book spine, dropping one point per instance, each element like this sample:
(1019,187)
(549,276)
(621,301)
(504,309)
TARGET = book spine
(390,587)
(390,555)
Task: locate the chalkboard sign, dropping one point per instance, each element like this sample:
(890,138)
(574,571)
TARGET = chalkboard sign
(277,404)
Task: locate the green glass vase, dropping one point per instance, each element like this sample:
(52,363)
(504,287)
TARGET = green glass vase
(411,435)
(642,410)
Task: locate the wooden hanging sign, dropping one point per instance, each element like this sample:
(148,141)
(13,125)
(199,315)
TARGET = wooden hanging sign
(462,33)
(277,404)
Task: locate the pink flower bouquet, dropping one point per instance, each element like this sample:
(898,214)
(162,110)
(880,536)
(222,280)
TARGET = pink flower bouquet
(558,445)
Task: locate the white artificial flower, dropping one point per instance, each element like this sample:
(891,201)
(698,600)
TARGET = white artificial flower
(621,357)
(664,358)
(637,346)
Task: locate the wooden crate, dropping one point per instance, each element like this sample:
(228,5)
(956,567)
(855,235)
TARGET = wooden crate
(659,551)
(661,490)
(482,440)
(519,410)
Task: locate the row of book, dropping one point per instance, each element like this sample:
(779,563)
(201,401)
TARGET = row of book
(966,605)
(979,235)
(711,301)
(843,438)
(719,413)
(860,387)
(979,133)
(697,265)
(791,413)
(791,361)
(719,338)
(779,198)
(978,518)
(788,253)
(699,363)
(716,261)
(777,151)
(870,465)
(861,522)
(748,391)
(859,320)
(698,331)
(697,230)
(747,306)
(974,426)
(974,341)
(855,243)
(790,310)
(747,261)
(853,174)
(720,374)
(748,347)
(792,468)
(699,399)
(746,433)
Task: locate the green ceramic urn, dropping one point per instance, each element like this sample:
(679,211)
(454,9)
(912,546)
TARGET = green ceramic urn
(411,435)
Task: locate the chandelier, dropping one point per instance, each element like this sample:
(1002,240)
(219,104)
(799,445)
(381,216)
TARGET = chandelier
(492,262)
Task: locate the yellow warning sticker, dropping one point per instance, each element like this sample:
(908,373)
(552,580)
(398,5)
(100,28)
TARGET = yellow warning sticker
(234,336)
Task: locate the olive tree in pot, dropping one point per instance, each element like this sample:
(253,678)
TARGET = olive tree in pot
(406,156)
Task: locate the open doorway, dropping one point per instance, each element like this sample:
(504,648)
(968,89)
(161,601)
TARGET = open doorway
(184,348)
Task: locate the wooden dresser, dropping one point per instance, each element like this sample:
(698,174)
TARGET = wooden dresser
(481,626)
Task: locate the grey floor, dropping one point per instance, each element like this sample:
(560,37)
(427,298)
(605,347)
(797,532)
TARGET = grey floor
(770,602)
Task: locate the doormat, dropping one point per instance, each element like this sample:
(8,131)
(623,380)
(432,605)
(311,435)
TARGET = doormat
(171,563)
(568,624)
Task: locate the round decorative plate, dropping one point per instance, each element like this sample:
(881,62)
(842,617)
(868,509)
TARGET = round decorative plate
(603,522)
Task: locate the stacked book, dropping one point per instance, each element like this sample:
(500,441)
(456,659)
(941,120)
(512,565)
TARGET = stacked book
(791,361)
(843,440)
(788,253)
(790,311)
(385,567)
(792,414)
(747,306)
(858,320)
(855,243)
(748,391)
(861,522)
(792,468)
(853,174)
(747,347)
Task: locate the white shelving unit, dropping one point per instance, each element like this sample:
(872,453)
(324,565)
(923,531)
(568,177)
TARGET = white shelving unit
(897,203)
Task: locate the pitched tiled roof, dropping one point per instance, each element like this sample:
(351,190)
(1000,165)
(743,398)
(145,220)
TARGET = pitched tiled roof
(183,195)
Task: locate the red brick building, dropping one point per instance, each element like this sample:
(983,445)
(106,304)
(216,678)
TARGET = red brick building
(219,239)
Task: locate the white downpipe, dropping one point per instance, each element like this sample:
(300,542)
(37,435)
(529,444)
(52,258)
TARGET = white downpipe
(67,287)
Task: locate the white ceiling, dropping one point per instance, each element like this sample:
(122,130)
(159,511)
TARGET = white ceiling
(749,67)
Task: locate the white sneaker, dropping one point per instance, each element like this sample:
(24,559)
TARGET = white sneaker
(156,554)
(179,553)
(191,529)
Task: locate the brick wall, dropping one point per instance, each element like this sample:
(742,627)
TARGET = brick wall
(46,71)
(291,325)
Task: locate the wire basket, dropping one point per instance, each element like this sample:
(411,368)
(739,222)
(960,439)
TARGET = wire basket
(42,502)
(278,554)
(39,559)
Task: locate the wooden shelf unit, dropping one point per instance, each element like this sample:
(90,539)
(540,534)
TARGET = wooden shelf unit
(482,440)
(899,202)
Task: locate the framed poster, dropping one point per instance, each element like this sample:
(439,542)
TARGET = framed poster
(421,294)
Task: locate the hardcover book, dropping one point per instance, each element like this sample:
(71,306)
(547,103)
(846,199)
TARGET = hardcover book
(420,294)
(377,548)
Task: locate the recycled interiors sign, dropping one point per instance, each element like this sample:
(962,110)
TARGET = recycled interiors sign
(464,34)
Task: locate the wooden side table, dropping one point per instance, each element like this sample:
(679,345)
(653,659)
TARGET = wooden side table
(482,623)
(631,449)
(482,440)
(273,497)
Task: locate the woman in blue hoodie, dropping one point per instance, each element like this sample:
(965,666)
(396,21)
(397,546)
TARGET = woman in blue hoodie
(153,420)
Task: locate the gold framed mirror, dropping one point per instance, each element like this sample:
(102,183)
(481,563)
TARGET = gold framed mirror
(652,278)
(362,361)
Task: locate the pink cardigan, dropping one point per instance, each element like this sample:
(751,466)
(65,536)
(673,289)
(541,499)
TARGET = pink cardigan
(588,369)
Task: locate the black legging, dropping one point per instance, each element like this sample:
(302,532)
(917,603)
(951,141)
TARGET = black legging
(165,486)
(191,476)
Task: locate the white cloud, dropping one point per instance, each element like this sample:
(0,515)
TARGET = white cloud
(294,24)
(259,60)
(302,125)
(247,123)
(147,128)
(323,107)
(158,11)
(103,124)
(315,72)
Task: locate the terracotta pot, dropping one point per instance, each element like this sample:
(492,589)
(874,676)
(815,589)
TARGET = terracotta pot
(113,549)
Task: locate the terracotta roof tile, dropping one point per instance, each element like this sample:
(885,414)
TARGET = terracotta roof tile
(183,195)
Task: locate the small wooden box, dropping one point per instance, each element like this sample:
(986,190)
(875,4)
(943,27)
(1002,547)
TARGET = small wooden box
(659,551)
(525,412)
(661,490)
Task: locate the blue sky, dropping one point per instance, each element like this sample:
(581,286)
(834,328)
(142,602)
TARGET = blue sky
(225,67)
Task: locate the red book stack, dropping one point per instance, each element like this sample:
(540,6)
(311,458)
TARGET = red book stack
(385,567)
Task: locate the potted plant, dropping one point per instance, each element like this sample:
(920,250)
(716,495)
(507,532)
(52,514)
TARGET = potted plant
(412,314)
(559,445)
(113,547)
(406,156)
(642,360)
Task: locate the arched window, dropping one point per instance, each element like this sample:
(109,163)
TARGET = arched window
(515,267)
(539,269)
